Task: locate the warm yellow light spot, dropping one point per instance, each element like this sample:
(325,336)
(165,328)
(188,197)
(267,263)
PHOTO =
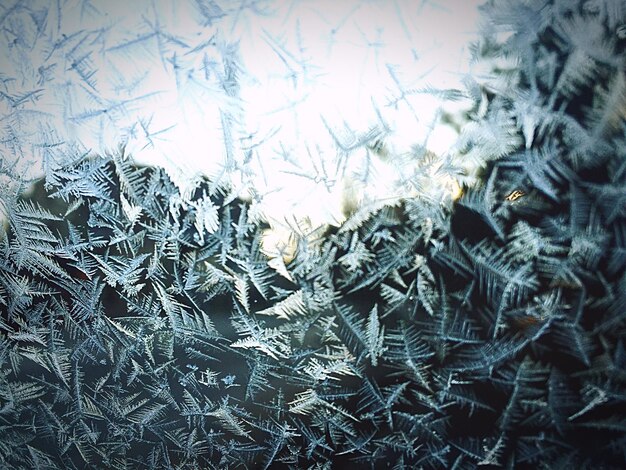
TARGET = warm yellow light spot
(279,242)
(455,189)
(515,195)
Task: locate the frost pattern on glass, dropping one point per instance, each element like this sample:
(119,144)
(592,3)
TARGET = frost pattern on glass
(152,322)
(283,102)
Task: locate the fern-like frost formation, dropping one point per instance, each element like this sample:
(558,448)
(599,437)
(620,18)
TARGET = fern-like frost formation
(145,328)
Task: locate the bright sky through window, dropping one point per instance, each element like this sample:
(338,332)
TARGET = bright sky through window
(279,98)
